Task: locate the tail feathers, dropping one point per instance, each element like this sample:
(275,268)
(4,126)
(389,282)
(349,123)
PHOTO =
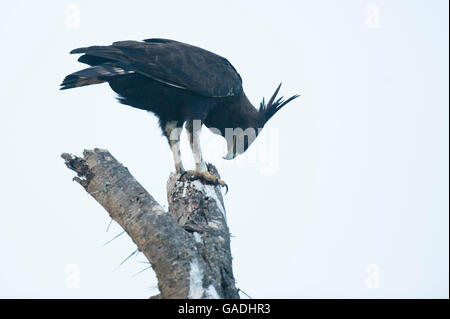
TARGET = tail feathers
(106,52)
(79,50)
(93,75)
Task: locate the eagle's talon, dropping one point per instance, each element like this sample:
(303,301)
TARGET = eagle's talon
(206,177)
(226,188)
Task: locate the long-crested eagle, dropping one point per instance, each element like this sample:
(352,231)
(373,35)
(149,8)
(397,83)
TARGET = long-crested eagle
(179,83)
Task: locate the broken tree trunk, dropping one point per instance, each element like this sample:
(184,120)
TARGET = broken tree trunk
(188,247)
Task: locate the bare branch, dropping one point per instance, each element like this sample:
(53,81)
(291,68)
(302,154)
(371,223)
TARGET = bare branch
(188,248)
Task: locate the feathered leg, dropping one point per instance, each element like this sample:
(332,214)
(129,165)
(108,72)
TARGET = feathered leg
(193,128)
(172,130)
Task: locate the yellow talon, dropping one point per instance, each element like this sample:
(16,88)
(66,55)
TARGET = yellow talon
(207,177)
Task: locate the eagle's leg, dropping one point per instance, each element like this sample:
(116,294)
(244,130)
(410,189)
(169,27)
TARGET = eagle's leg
(172,130)
(193,128)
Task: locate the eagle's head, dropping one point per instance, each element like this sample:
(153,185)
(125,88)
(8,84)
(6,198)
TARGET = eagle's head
(240,139)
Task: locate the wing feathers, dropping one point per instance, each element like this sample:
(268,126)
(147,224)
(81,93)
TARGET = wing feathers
(170,62)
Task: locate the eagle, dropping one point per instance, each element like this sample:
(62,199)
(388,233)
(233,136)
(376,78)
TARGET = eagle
(183,85)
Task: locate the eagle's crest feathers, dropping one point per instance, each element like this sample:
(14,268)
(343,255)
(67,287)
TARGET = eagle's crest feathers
(273,106)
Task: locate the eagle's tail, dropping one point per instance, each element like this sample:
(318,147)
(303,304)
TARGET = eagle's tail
(93,75)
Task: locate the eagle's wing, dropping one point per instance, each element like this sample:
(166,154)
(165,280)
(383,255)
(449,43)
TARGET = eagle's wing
(171,62)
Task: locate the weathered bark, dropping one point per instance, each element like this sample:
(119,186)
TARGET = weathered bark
(188,247)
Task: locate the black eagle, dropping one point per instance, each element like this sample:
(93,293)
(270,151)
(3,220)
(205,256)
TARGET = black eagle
(179,83)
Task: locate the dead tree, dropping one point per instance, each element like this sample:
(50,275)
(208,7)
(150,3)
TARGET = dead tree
(188,247)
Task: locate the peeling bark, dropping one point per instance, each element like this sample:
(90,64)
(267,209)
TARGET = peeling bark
(188,247)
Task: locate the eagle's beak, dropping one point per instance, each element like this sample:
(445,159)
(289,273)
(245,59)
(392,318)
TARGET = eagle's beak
(231,150)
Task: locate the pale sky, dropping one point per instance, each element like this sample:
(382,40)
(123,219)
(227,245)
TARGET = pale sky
(344,194)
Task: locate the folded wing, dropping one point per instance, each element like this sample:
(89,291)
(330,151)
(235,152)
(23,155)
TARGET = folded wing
(170,62)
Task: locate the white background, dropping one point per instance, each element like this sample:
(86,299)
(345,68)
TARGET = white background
(345,194)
